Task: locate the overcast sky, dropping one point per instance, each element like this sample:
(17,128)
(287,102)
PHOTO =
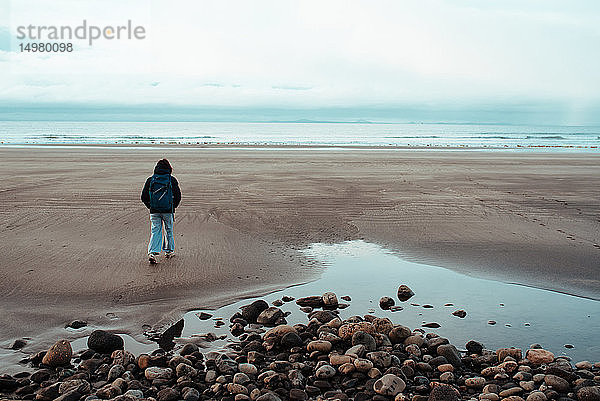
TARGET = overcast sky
(422,54)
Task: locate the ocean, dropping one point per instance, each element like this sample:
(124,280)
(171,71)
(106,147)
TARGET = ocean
(417,135)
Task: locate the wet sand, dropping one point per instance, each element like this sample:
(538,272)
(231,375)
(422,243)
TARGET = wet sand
(74,235)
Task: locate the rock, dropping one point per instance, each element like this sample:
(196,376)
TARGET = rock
(247,368)
(515,353)
(363,365)
(356,350)
(235,388)
(323,316)
(225,365)
(432,325)
(290,340)
(154,372)
(474,347)
(389,385)
(475,382)
(115,372)
(325,372)
(443,392)
(557,383)
(297,394)
(251,312)
(447,377)
(527,385)
(76,324)
(383,325)
(104,342)
(70,396)
(491,322)
(79,385)
(313,301)
(461,313)
(319,345)
(510,392)
(59,354)
(40,375)
(537,396)
(204,315)
(270,316)
(386,302)
(167,394)
(381,359)
(330,300)
(277,332)
(346,331)
(107,392)
(589,393)
(241,378)
(183,369)
(587,365)
(451,354)
(268,397)
(189,348)
(190,394)
(445,367)
(135,394)
(121,357)
(404,293)
(18,344)
(336,359)
(362,338)
(398,334)
(539,356)
(48,393)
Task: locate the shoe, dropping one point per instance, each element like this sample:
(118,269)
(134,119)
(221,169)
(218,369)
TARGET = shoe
(169,255)
(152,258)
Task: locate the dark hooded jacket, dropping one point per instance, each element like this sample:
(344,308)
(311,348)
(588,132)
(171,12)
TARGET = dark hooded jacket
(162,167)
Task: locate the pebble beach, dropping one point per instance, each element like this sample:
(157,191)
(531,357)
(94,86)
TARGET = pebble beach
(328,356)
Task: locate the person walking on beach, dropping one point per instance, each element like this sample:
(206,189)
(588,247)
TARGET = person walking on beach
(161,195)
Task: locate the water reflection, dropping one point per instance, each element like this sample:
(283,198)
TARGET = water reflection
(367,272)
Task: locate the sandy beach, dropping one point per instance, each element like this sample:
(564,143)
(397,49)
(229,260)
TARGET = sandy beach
(74,233)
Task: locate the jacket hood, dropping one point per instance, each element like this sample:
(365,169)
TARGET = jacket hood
(163,167)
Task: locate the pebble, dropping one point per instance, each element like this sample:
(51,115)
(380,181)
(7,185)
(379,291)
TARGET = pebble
(475,382)
(404,293)
(389,385)
(451,354)
(327,357)
(539,356)
(584,365)
(319,345)
(536,396)
(461,313)
(386,303)
(588,393)
(104,342)
(557,383)
(271,316)
(59,354)
(330,300)
(155,372)
(325,372)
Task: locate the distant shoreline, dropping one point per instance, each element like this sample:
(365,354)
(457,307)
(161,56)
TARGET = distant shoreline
(541,149)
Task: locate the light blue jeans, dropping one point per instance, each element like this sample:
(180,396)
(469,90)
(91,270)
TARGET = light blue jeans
(157,238)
